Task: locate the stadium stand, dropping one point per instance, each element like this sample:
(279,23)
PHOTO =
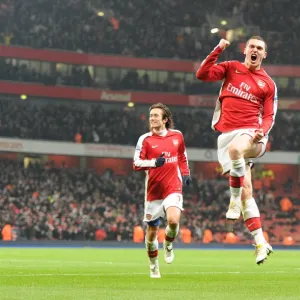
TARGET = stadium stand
(173,29)
(118,124)
(47,202)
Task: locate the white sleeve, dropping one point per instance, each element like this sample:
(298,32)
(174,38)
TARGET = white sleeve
(144,163)
(139,153)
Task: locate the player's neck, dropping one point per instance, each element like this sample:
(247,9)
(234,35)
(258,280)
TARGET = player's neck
(252,68)
(160,131)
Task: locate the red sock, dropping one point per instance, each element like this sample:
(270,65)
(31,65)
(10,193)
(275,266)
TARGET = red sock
(153,254)
(169,239)
(236,182)
(253,224)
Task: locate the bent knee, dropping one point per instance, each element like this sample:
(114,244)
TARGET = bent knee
(235,151)
(173,222)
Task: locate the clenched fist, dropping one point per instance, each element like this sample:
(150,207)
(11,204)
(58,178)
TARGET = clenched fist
(160,161)
(223,44)
(259,134)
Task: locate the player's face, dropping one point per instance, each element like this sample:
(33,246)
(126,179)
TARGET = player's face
(156,119)
(255,52)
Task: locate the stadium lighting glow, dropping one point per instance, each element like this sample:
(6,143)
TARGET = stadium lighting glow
(214,30)
(23,97)
(130,104)
(100,13)
(223,22)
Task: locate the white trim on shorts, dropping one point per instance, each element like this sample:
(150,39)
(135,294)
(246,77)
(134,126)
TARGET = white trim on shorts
(226,138)
(157,208)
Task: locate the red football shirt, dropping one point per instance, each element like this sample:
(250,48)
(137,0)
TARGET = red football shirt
(248,99)
(165,180)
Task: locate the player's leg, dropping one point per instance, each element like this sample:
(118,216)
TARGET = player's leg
(172,229)
(173,207)
(238,149)
(252,220)
(151,244)
(152,213)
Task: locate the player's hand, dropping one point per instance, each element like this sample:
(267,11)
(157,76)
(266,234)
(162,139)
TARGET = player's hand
(259,134)
(223,44)
(187,180)
(160,161)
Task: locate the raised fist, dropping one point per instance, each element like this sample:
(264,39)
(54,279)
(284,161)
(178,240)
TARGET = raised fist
(223,44)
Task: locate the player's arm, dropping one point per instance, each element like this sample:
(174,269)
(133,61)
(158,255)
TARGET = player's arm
(183,163)
(209,70)
(269,110)
(140,161)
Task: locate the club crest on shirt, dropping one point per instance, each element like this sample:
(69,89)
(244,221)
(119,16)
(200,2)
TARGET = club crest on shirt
(175,142)
(261,84)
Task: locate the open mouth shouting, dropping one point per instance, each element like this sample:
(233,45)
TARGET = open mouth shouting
(253,58)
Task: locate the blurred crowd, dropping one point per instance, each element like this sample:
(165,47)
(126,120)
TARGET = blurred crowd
(95,123)
(174,29)
(48,203)
(130,79)
(44,202)
(80,76)
(114,124)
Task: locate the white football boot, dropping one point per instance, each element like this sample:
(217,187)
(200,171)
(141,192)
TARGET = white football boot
(154,268)
(262,251)
(168,253)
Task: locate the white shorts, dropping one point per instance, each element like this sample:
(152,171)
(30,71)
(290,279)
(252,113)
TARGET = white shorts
(156,209)
(226,138)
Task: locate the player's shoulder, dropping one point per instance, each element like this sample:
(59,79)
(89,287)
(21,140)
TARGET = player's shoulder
(233,66)
(236,66)
(235,63)
(175,132)
(232,63)
(268,79)
(142,141)
(264,72)
(144,136)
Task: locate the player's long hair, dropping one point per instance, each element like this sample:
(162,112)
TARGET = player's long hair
(257,37)
(166,114)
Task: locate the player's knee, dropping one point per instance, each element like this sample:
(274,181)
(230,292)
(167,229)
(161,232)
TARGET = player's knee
(235,152)
(173,222)
(151,233)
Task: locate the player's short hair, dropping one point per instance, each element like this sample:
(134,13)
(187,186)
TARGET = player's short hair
(166,114)
(257,37)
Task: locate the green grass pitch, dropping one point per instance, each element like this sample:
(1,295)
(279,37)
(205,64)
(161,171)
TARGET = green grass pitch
(122,274)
